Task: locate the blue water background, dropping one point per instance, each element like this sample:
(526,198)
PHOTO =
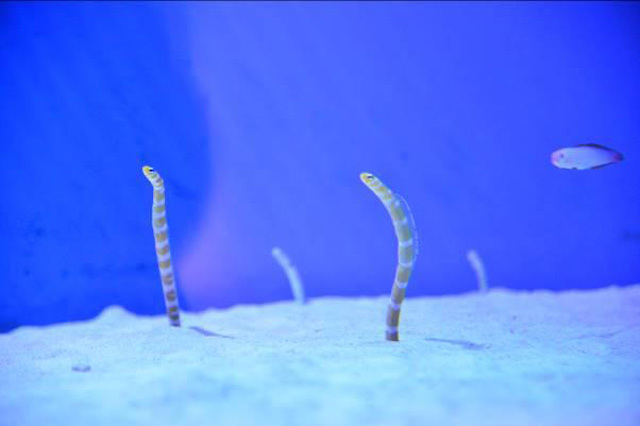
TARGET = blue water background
(260,117)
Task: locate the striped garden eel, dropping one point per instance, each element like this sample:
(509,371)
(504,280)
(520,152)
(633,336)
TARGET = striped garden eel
(163,254)
(407,247)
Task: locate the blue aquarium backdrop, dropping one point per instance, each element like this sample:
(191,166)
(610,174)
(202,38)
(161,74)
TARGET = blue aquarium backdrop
(260,118)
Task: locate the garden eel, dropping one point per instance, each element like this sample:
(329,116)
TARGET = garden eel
(478,267)
(407,247)
(161,235)
(292,274)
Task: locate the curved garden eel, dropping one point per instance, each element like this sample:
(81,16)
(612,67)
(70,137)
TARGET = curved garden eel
(407,247)
(292,274)
(163,254)
(478,267)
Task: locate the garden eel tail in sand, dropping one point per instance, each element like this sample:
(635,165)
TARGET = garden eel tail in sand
(407,247)
(161,234)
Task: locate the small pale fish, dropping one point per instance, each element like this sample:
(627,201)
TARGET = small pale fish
(585,156)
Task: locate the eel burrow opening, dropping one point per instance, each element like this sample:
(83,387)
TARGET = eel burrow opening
(407,247)
(161,235)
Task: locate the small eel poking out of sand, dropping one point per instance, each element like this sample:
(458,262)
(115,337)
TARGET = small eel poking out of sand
(407,247)
(163,254)
(292,274)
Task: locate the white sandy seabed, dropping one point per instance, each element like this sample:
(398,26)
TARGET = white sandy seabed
(502,358)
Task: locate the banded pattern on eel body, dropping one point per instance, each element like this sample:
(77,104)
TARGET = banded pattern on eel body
(163,254)
(407,247)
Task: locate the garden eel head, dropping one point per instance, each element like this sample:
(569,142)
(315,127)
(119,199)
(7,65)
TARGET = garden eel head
(152,175)
(369,180)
